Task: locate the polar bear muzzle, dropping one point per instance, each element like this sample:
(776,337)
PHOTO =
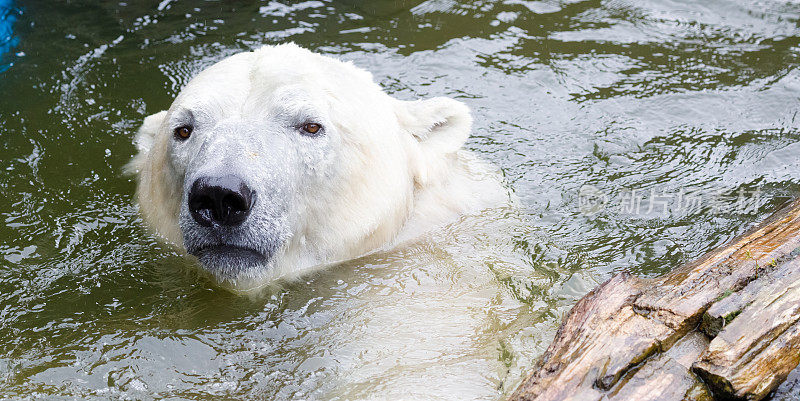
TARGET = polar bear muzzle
(220,201)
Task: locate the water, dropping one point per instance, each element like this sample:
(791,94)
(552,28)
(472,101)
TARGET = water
(643,105)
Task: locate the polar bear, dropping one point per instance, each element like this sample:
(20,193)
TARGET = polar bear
(273,162)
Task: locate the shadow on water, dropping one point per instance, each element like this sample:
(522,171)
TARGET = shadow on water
(678,118)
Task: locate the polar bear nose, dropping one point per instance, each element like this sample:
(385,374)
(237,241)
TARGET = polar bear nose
(223,201)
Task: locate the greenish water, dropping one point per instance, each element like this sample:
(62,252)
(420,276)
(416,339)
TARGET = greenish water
(644,105)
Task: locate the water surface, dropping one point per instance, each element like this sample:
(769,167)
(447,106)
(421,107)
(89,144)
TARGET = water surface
(637,134)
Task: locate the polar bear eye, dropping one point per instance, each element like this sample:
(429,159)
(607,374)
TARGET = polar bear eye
(183,132)
(311,128)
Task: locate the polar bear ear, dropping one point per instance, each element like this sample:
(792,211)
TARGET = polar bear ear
(144,140)
(441,125)
(156,190)
(147,132)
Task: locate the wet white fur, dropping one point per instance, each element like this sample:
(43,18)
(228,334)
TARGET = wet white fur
(400,167)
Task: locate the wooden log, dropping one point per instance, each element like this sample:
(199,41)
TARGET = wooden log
(757,350)
(723,311)
(666,376)
(599,349)
(789,389)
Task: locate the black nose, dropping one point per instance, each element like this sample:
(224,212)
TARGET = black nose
(224,201)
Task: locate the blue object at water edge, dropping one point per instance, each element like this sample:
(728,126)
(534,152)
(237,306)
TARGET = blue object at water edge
(8,15)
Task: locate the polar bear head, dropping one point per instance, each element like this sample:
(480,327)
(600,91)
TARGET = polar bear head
(273,161)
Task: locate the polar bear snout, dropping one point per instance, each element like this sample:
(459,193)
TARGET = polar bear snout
(220,201)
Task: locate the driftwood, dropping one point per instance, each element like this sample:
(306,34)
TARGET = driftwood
(726,326)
